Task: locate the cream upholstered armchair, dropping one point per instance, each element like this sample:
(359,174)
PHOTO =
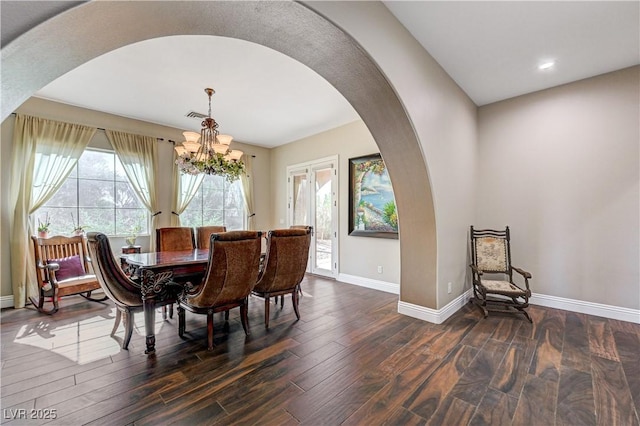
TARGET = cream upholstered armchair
(494,288)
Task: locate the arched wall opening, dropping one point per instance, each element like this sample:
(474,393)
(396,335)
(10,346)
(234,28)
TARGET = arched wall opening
(291,28)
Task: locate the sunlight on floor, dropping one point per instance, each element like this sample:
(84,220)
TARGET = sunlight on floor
(82,341)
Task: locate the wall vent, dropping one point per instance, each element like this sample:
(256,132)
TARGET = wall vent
(193,114)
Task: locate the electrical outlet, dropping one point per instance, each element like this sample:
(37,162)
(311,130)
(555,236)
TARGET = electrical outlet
(281,221)
(449,288)
(379,269)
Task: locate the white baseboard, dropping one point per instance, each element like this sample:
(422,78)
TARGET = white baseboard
(590,308)
(370,283)
(436,316)
(6,302)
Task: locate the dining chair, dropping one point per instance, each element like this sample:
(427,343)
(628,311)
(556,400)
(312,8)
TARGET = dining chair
(203,234)
(118,287)
(284,268)
(231,274)
(175,239)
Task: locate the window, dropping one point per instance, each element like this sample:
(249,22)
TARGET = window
(99,196)
(217,202)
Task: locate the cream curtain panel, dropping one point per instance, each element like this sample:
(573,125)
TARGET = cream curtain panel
(44,153)
(186,186)
(247,190)
(139,157)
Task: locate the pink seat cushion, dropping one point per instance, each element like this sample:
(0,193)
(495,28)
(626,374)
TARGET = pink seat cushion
(70,267)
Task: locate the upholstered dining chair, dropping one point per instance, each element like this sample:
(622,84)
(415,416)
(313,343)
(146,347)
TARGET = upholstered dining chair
(175,239)
(124,292)
(231,274)
(203,234)
(285,266)
(494,288)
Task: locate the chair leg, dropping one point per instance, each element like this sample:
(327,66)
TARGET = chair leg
(210,330)
(244,316)
(281,301)
(170,311)
(266,311)
(117,322)
(181,322)
(128,327)
(93,299)
(295,298)
(226,315)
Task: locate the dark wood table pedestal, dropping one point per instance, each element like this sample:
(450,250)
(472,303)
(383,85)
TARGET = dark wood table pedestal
(162,278)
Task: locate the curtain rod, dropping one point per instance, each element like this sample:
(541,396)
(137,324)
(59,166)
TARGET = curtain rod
(160,139)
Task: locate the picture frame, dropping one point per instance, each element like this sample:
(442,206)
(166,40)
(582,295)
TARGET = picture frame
(372,207)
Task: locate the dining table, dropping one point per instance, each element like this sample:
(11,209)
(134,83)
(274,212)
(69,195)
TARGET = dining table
(162,277)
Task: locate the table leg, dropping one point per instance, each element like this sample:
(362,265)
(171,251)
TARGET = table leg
(154,286)
(150,324)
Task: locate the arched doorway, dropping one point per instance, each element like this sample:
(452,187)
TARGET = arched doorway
(95,28)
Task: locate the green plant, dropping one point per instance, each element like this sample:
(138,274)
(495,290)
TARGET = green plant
(77,228)
(44,226)
(390,215)
(133,234)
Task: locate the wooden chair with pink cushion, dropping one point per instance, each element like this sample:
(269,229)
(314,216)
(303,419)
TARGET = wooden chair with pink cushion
(63,268)
(203,234)
(231,274)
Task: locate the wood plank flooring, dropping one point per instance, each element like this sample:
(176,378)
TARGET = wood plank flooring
(351,359)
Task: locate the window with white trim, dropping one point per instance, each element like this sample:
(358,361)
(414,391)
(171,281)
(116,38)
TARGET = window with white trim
(217,202)
(98,196)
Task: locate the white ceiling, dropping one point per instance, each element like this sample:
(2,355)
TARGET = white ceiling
(491,49)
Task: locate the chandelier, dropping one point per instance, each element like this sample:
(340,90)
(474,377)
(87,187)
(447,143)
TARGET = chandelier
(208,151)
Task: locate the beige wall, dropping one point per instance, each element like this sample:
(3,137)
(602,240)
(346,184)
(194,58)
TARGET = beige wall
(359,256)
(56,111)
(444,119)
(561,167)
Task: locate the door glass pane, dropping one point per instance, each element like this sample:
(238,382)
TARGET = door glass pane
(299,202)
(323,219)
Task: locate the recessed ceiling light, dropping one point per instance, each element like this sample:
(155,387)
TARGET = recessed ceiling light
(546,65)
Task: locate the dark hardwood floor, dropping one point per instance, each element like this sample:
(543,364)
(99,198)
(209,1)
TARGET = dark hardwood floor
(351,359)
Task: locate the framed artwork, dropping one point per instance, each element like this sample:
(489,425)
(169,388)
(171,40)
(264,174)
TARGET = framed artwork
(372,206)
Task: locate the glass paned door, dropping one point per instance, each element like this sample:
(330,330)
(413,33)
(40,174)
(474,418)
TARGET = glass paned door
(323,219)
(313,201)
(299,199)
